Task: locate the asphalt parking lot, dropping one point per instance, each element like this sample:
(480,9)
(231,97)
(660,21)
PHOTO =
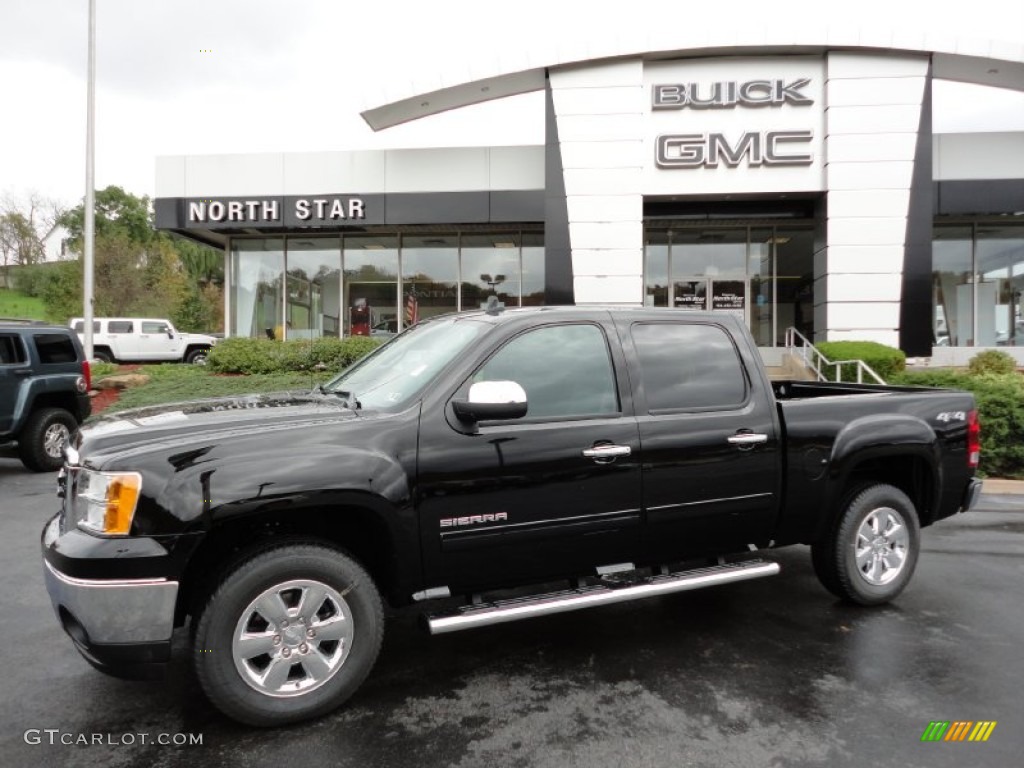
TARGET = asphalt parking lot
(772,672)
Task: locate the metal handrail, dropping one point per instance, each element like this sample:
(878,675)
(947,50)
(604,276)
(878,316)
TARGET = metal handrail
(798,344)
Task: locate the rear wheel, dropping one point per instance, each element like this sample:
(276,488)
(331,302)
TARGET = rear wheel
(41,443)
(871,554)
(288,635)
(103,356)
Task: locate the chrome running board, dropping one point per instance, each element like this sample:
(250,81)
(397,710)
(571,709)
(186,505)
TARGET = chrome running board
(501,611)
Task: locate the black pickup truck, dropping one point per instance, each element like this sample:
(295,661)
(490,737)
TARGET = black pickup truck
(622,452)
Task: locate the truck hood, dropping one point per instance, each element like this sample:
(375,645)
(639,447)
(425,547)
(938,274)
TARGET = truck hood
(213,419)
(199,338)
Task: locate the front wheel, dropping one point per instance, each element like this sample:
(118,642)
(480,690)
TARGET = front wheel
(871,554)
(41,443)
(197,356)
(288,635)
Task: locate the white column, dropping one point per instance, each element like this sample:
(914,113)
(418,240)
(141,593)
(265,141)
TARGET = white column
(873,111)
(600,112)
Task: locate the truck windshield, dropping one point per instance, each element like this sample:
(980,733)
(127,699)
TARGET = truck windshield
(394,374)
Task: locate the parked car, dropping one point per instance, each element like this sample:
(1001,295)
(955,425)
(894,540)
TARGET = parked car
(629,452)
(44,385)
(144,339)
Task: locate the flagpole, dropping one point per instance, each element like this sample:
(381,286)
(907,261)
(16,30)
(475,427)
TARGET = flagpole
(90,187)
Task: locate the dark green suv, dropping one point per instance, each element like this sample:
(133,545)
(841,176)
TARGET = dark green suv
(44,390)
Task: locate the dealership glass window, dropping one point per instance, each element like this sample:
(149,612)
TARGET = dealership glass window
(760,268)
(430,276)
(533,269)
(490,267)
(794,281)
(709,251)
(953,286)
(370,288)
(999,251)
(656,268)
(314,287)
(257,269)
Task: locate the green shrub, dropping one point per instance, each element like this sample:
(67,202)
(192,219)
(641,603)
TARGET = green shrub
(242,355)
(885,361)
(992,361)
(1000,399)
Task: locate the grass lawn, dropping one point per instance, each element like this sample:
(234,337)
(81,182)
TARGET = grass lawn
(171,383)
(16,304)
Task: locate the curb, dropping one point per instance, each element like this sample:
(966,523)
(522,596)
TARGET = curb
(996,485)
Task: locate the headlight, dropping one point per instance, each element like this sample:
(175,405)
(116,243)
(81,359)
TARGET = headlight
(104,502)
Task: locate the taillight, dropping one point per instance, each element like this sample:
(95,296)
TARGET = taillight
(87,375)
(973,439)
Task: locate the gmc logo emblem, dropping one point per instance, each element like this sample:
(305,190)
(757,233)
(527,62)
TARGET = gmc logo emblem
(709,150)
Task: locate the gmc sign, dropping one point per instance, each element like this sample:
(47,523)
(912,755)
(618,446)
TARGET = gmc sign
(709,150)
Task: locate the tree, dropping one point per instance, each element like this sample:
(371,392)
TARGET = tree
(117,211)
(24,225)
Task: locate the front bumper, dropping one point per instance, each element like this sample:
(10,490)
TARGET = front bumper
(121,626)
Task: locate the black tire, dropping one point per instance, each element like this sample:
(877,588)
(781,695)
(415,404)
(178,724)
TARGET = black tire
(230,675)
(197,356)
(103,356)
(41,442)
(869,556)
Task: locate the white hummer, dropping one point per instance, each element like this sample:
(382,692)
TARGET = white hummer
(137,339)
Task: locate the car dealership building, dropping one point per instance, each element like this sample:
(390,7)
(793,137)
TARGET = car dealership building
(795,183)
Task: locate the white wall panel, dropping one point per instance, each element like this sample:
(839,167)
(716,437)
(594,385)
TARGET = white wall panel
(859,203)
(615,289)
(614,261)
(605,207)
(845,259)
(170,176)
(598,181)
(875,147)
(867,231)
(888,336)
(893,175)
(516,167)
(885,119)
(605,128)
(616,234)
(234,175)
(599,154)
(599,101)
(862,314)
(875,91)
(880,287)
(978,156)
(859,65)
(598,76)
(437,170)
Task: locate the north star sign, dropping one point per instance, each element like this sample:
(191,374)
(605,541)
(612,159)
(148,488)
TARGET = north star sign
(710,150)
(315,209)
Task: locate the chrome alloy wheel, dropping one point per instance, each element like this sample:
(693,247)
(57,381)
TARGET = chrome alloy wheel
(882,546)
(55,438)
(293,638)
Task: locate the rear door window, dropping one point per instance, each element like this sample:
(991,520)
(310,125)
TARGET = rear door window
(689,366)
(54,348)
(119,326)
(12,351)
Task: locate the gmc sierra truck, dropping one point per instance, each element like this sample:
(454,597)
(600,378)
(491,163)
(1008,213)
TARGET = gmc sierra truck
(622,452)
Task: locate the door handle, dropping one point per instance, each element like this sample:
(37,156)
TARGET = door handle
(606,453)
(747,440)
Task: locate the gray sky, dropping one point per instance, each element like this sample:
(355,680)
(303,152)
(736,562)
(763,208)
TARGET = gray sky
(292,75)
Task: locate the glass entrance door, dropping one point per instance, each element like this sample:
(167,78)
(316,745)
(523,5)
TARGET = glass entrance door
(714,294)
